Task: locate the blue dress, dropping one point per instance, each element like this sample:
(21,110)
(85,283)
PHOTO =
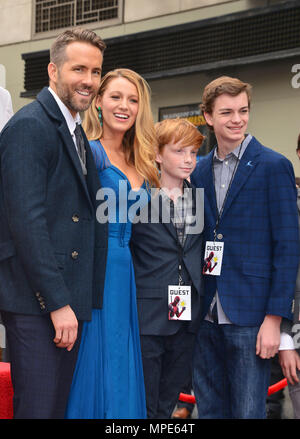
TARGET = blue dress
(108,382)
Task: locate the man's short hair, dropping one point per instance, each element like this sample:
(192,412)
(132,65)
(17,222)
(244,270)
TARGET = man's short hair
(57,50)
(220,86)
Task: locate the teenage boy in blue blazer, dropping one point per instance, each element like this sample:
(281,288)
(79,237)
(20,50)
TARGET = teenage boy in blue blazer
(251,213)
(166,251)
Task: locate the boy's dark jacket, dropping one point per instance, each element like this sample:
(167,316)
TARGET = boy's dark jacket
(154,248)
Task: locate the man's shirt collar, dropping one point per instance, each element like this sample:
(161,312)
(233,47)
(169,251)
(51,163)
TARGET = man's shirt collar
(235,152)
(70,120)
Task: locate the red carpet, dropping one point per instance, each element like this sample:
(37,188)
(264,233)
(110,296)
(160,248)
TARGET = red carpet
(6,392)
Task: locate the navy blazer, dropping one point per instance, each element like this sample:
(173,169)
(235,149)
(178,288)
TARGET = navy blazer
(52,249)
(154,248)
(259,226)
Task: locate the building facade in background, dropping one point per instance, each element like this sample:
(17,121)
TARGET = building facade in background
(178,46)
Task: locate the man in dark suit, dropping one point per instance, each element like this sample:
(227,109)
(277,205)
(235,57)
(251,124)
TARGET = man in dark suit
(166,251)
(251,212)
(52,249)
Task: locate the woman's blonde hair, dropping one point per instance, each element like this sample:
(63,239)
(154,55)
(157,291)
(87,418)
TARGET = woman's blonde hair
(139,142)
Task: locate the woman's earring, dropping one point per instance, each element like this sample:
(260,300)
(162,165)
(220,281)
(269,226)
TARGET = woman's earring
(100,116)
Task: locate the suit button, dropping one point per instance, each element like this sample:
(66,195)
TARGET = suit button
(74,255)
(75,218)
(219,236)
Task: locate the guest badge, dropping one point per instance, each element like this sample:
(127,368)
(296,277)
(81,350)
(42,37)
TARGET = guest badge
(179,302)
(213,258)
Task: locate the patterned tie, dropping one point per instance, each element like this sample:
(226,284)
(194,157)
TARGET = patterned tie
(80,143)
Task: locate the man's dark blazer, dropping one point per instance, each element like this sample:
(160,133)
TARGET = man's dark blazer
(52,249)
(154,248)
(259,228)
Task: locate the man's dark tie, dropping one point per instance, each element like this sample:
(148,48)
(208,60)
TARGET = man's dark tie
(80,143)
(214,313)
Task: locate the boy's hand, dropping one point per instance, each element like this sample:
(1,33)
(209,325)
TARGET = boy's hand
(290,363)
(268,337)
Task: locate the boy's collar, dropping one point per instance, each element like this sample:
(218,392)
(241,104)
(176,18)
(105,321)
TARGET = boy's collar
(185,185)
(235,152)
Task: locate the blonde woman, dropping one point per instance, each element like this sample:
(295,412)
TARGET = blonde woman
(108,380)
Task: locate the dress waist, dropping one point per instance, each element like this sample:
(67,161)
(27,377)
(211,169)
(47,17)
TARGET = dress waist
(119,234)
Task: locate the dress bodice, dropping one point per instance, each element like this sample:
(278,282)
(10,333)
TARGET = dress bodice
(120,200)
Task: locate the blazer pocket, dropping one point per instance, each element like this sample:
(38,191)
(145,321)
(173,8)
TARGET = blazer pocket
(7,250)
(257,269)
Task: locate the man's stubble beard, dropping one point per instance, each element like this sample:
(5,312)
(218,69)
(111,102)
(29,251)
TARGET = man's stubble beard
(68,97)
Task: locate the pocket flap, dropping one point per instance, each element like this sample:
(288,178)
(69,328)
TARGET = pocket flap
(257,269)
(7,250)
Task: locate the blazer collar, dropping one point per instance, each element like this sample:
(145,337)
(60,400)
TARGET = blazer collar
(161,209)
(50,106)
(247,164)
(208,182)
(70,120)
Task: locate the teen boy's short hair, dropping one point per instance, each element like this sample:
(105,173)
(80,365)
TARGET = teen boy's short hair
(174,130)
(223,85)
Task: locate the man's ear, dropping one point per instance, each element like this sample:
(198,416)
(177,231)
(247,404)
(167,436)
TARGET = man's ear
(208,118)
(52,72)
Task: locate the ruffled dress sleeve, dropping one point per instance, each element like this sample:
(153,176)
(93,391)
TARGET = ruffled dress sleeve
(99,154)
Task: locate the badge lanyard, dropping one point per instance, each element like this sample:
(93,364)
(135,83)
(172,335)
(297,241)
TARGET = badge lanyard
(219,212)
(179,296)
(179,244)
(180,249)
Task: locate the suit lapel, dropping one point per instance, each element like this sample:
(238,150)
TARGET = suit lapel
(71,149)
(197,203)
(163,213)
(245,168)
(164,217)
(92,178)
(51,108)
(208,183)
